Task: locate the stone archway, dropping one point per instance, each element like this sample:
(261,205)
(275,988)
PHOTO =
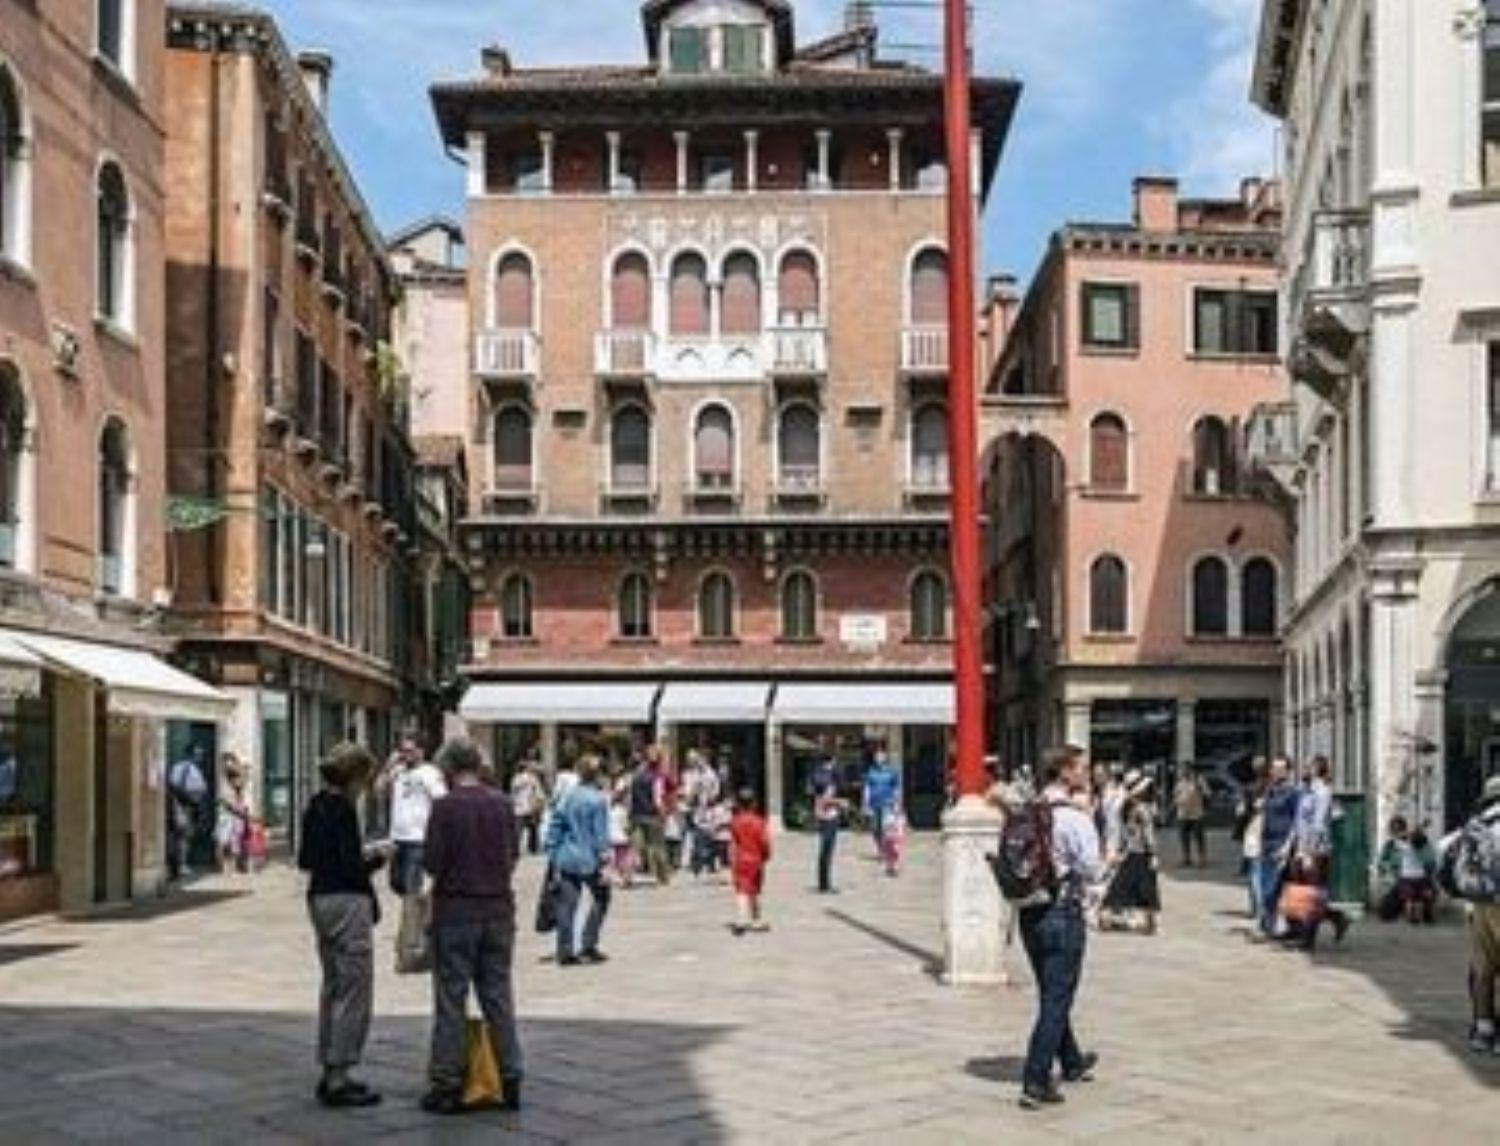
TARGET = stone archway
(1471,701)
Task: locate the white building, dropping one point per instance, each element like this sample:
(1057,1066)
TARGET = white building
(1391,444)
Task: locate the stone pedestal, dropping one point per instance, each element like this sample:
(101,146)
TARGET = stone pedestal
(973,911)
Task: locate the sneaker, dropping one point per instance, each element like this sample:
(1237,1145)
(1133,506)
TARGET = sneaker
(1036,1098)
(1482,1042)
(1340,927)
(349,1096)
(510,1094)
(594,956)
(567,960)
(1084,1071)
(445,1103)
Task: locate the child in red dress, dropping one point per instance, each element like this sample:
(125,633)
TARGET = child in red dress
(750,837)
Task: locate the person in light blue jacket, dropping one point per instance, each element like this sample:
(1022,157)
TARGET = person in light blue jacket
(578,850)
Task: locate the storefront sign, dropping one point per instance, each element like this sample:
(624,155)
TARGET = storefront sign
(863,630)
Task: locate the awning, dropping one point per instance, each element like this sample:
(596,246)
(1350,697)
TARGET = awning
(20,669)
(853,703)
(559,702)
(139,683)
(738,702)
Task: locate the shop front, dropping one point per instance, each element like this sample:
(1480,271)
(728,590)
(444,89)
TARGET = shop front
(28,879)
(725,722)
(557,721)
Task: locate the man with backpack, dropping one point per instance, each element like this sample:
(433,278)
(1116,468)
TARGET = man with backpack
(1470,870)
(1049,855)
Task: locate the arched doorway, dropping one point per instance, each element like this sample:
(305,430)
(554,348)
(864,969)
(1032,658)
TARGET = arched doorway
(1472,705)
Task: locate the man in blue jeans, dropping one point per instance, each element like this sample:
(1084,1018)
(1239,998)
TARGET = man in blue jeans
(1278,823)
(578,850)
(471,849)
(1055,935)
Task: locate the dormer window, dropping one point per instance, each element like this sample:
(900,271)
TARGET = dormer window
(743,49)
(688,50)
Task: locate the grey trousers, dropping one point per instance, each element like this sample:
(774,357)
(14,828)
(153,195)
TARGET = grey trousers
(344,926)
(481,954)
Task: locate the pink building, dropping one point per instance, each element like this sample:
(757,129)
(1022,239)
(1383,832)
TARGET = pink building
(1135,571)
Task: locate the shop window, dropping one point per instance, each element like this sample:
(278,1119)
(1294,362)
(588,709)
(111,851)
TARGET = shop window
(799,606)
(1109,596)
(929,607)
(1109,454)
(1259,598)
(742,306)
(929,448)
(630,449)
(716,608)
(1111,316)
(1213,458)
(1211,598)
(516,608)
(27,796)
(713,449)
(689,296)
(113,267)
(635,607)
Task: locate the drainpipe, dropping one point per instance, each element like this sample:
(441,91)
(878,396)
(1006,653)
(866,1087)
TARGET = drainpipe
(213,541)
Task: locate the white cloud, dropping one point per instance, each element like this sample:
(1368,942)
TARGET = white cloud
(1214,132)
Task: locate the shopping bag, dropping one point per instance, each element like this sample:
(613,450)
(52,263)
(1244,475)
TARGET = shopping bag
(546,905)
(482,1075)
(413,938)
(1303,903)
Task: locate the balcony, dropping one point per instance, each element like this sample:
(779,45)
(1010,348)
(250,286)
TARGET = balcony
(629,486)
(1271,444)
(799,485)
(1330,301)
(714,487)
(625,354)
(799,351)
(507,355)
(924,351)
(929,481)
(513,490)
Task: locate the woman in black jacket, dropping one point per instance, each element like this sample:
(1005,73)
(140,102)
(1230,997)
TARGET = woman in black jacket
(341,903)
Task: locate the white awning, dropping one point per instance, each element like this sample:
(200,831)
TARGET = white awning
(139,683)
(559,702)
(853,703)
(20,669)
(725,702)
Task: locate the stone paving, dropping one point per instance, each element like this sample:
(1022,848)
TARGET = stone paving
(190,1021)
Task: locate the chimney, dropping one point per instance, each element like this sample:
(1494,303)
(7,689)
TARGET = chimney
(317,74)
(1156,204)
(1002,300)
(495,60)
(859,15)
(1250,189)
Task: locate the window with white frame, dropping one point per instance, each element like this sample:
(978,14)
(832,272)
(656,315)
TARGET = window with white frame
(1492,417)
(514,292)
(1111,316)
(799,606)
(630,449)
(15,167)
(1235,322)
(1490,123)
(1213,458)
(116,491)
(688,313)
(929,447)
(716,607)
(14,464)
(929,606)
(1259,598)
(740,311)
(114,33)
(713,450)
(1109,596)
(1109,454)
(513,449)
(635,607)
(516,608)
(1210,598)
(114,273)
(799,449)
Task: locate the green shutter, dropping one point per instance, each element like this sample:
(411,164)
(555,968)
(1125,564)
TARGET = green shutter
(742,49)
(687,50)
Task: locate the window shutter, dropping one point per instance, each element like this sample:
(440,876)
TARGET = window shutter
(631,449)
(689,301)
(741,296)
(715,447)
(1109,466)
(630,294)
(513,293)
(799,288)
(1133,317)
(929,289)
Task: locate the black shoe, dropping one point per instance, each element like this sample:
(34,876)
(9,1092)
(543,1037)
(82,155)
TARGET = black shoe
(1084,1071)
(510,1094)
(348,1096)
(594,956)
(443,1102)
(1340,927)
(1035,1098)
(567,960)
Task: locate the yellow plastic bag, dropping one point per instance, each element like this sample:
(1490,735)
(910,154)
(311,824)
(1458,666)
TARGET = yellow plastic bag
(482,1076)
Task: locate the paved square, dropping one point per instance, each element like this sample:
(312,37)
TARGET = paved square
(192,1023)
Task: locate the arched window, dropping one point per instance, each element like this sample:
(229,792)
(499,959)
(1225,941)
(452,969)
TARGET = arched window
(716,607)
(114,270)
(929,447)
(516,608)
(713,449)
(630,449)
(741,300)
(799,606)
(115,493)
(798,448)
(513,448)
(1109,596)
(800,293)
(635,607)
(1213,458)
(929,288)
(689,296)
(1259,605)
(630,293)
(14,159)
(929,606)
(1109,454)
(515,293)
(12,464)
(1211,598)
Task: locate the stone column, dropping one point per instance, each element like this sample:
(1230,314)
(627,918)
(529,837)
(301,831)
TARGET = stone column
(548,142)
(973,913)
(1187,731)
(1078,723)
(893,137)
(752,160)
(1392,710)
(775,782)
(825,175)
(613,139)
(549,750)
(681,138)
(478,181)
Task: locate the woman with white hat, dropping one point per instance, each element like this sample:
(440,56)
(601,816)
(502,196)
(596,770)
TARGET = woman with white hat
(1135,894)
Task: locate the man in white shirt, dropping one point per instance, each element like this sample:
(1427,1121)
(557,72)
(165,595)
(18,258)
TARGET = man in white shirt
(187,791)
(1055,934)
(414,786)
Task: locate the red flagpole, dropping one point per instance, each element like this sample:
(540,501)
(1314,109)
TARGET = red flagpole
(968,663)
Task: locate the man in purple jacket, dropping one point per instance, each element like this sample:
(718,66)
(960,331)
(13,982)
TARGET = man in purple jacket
(471,850)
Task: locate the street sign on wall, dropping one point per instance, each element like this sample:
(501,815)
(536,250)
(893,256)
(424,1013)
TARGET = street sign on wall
(863,630)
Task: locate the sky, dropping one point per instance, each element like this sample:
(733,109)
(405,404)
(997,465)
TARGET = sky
(1111,89)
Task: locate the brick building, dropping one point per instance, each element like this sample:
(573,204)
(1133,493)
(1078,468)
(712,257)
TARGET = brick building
(1136,572)
(291,466)
(709,433)
(85,701)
